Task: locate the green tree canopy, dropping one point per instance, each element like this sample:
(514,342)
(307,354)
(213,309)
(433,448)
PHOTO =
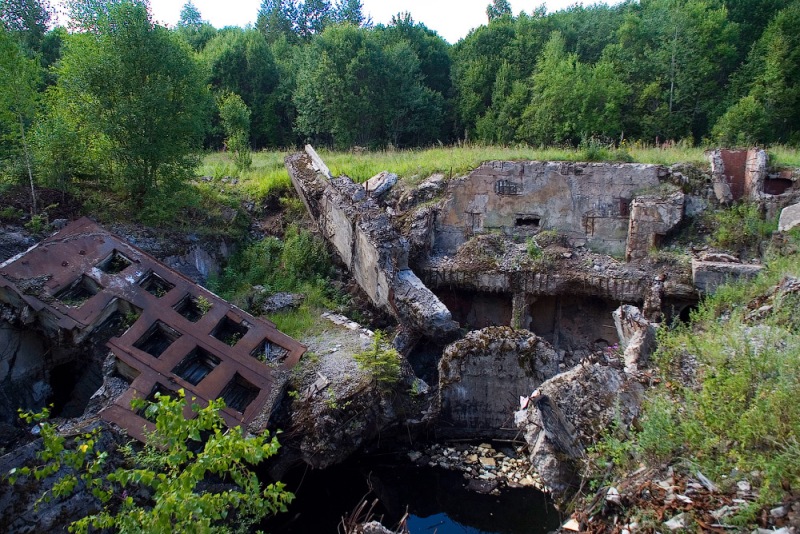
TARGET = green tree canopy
(498,9)
(28,19)
(135,85)
(240,61)
(19,80)
(355,88)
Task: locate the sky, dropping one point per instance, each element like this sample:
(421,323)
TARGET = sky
(452,19)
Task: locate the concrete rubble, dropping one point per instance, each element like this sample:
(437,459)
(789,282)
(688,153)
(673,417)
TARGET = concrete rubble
(568,412)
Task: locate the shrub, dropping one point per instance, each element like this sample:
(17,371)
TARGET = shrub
(741,227)
(160,488)
(381,360)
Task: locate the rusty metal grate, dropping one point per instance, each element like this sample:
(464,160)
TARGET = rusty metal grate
(186,337)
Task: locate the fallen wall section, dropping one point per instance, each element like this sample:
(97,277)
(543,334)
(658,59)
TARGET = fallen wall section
(366,241)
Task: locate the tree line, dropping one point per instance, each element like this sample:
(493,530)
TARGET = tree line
(116,94)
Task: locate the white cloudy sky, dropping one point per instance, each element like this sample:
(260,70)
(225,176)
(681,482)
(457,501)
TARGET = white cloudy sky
(453,19)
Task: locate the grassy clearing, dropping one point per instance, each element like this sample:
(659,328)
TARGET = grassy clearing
(268,175)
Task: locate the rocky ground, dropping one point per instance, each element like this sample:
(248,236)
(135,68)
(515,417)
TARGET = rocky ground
(487,469)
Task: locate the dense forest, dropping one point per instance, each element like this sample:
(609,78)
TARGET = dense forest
(114,93)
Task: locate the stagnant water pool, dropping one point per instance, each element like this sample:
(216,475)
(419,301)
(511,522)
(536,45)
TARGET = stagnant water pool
(437,501)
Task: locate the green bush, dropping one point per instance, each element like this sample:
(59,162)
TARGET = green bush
(381,361)
(743,412)
(739,228)
(160,489)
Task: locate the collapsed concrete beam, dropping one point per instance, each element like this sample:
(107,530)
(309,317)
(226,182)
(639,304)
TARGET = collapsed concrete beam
(365,240)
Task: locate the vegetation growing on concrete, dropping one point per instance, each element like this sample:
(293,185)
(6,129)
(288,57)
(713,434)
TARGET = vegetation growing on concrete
(726,405)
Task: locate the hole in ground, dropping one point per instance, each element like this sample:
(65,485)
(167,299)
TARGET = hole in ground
(73,384)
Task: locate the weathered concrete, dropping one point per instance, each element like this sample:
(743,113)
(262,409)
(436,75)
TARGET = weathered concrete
(589,202)
(790,218)
(652,218)
(365,240)
(482,375)
(709,275)
(380,183)
(580,405)
(636,335)
(739,174)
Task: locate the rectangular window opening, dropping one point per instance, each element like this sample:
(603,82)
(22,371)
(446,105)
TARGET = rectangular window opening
(196,365)
(116,262)
(193,308)
(155,285)
(157,339)
(79,291)
(239,393)
(528,221)
(269,352)
(230,332)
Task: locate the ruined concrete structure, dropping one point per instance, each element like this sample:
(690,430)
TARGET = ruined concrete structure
(588,202)
(624,209)
(481,376)
(66,297)
(366,241)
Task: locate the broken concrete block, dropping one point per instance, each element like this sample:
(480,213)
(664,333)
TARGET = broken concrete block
(476,372)
(636,336)
(708,275)
(790,217)
(380,183)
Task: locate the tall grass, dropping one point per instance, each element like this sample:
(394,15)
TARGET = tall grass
(743,412)
(268,176)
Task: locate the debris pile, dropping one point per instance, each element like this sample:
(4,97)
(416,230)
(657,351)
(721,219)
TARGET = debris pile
(487,468)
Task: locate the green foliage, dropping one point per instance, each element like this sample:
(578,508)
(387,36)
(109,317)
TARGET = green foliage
(136,96)
(336,97)
(160,487)
(381,361)
(241,62)
(203,304)
(534,250)
(236,122)
(742,412)
(19,78)
(741,227)
(300,263)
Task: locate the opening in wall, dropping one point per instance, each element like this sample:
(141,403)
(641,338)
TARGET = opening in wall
(157,339)
(528,221)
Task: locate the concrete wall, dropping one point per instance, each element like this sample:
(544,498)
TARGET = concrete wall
(588,201)
(482,376)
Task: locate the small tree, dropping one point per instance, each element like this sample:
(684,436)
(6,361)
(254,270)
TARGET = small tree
(169,471)
(235,118)
(19,78)
(381,360)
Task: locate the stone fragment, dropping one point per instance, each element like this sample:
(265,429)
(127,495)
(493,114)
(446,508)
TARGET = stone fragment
(778,512)
(380,183)
(708,276)
(637,336)
(572,525)
(488,462)
(679,521)
(790,217)
(483,486)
